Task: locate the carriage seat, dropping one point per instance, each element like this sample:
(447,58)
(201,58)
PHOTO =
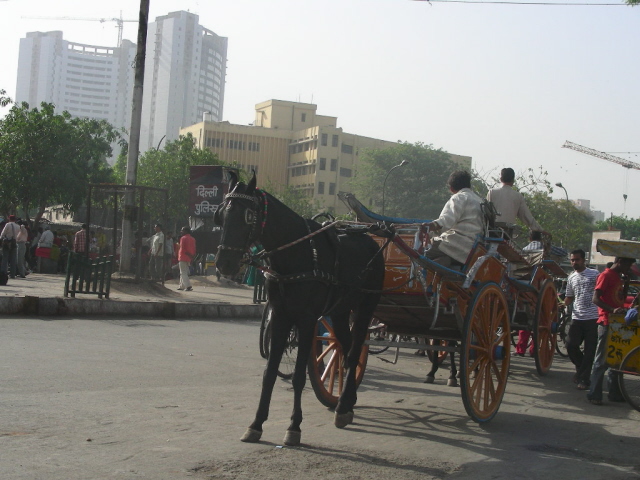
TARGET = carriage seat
(447,273)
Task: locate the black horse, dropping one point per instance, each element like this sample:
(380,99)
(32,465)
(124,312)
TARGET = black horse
(333,274)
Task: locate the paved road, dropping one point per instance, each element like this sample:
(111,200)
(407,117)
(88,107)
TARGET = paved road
(131,398)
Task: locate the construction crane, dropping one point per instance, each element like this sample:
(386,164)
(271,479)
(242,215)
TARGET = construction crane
(628,164)
(119,21)
(605,156)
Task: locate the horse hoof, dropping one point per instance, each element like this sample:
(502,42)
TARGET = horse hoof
(430,379)
(452,382)
(251,435)
(341,420)
(291,438)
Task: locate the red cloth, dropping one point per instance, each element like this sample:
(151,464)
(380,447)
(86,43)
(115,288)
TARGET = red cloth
(611,288)
(187,248)
(43,252)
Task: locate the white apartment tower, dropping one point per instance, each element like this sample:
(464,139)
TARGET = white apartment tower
(184,77)
(85,80)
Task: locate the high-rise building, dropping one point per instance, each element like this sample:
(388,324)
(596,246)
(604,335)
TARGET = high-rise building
(184,77)
(85,80)
(290,144)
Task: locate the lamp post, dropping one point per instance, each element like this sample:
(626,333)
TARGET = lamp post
(559,184)
(384,184)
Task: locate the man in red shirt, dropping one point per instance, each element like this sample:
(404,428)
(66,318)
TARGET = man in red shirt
(185,255)
(609,296)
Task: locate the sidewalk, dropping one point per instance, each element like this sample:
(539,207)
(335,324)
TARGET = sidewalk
(43,295)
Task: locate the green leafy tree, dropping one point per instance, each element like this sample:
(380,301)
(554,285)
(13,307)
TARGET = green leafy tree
(629,227)
(50,158)
(571,227)
(169,168)
(417,189)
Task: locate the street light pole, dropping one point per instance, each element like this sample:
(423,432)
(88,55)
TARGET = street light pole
(384,184)
(559,184)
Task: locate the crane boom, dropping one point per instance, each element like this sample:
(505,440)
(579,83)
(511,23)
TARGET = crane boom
(605,156)
(119,21)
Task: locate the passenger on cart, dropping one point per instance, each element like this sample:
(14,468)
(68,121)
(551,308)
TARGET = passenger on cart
(460,221)
(510,203)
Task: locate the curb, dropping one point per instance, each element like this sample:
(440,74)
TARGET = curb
(56,306)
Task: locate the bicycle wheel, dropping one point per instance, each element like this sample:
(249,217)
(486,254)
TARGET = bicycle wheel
(563,335)
(630,378)
(264,345)
(288,360)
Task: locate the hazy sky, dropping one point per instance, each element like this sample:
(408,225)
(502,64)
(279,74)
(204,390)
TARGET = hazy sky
(505,84)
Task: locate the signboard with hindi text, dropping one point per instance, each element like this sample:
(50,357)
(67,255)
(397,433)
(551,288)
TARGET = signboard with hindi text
(207,187)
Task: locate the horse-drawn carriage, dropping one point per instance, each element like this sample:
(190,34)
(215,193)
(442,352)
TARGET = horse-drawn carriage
(338,276)
(470,310)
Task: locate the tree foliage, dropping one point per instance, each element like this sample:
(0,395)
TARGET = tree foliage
(629,227)
(48,158)
(168,168)
(417,189)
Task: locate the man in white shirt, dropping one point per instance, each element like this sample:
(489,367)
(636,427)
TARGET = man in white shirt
(156,254)
(9,236)
(584,327)
(460,221)
(510,203)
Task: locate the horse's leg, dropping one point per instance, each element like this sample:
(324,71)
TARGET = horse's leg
(431,376)
(279,334)
(349,396)
(306,330)
(452,382)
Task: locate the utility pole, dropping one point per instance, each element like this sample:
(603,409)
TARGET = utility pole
(134,139)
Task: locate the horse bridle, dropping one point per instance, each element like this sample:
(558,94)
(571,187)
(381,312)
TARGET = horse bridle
(251,215)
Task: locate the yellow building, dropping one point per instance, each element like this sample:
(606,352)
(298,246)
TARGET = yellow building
(290,144)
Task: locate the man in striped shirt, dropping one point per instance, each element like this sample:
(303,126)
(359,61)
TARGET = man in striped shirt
(584,327)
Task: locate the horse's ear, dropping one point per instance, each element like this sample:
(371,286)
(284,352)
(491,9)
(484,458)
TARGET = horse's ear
(233,180)
(252,183)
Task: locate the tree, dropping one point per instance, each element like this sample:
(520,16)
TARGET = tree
(50,158)
(416,190)
(629,227)
(571,227)
(169,168)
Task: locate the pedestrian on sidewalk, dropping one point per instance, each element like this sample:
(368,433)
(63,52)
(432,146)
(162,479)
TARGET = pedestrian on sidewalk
(156,252)
(609,296)
(21,239)
(80,239)
(581,285)
(186,255)
(9,247)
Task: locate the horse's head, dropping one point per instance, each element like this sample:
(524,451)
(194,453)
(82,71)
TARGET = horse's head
(238,215)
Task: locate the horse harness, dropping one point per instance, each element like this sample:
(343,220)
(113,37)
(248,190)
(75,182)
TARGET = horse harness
(251,217)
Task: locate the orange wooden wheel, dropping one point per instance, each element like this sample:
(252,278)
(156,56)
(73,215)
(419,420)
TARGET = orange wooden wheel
(544,337)
(485,357)
(327,373)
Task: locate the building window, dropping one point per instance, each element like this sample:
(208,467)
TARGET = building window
(320,188)
(254,146)
(347,148)
(323,164)
(303,117)
(324,139)
(334,164)
(332,189)
(345,172)
(334,141)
